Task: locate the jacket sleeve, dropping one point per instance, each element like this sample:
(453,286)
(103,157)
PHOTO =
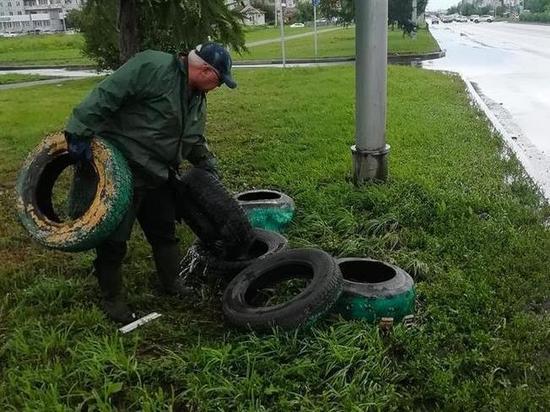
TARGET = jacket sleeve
(108,96)
(199,152)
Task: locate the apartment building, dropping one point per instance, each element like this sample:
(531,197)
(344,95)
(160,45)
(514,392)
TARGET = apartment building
(22,16)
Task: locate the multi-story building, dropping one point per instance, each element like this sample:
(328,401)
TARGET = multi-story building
(21,16)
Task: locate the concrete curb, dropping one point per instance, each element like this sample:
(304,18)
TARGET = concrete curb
(39,82)
(393,58)
(45,67)
(539,173)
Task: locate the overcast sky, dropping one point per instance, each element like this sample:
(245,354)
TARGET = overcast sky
(441,4)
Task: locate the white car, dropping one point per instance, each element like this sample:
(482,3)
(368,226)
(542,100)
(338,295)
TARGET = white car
(298,25)
(461,19)
(487,19)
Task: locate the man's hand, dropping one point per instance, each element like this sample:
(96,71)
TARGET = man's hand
(79,148)
(210,165)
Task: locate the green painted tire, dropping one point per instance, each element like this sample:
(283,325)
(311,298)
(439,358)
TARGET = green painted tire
(374,290)
(267,209)
(109,176)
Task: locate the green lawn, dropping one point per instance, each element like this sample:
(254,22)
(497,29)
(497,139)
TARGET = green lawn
(340,42)
(253,34)
(457,213)
(52,49)
(62,49)
(20,78)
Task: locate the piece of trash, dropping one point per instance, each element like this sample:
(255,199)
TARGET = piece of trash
(385,324)
(141,321)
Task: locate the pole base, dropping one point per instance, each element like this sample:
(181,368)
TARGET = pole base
(370,165)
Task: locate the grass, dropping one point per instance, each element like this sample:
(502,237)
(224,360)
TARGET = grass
(457,213)
(52,49)
(60,50)
(339,43)
(253,34)
(21,78)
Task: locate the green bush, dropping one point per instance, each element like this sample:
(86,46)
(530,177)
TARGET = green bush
(535,17)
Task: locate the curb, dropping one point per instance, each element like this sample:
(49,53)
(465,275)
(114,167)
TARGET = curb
(541,178)
(46,67)
(393,58)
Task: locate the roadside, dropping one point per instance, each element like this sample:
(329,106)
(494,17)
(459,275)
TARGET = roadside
(457,213)
(508,66)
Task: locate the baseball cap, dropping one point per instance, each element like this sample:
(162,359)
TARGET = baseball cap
(216,56)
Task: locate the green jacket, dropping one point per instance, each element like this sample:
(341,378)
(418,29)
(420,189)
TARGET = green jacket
(146,110)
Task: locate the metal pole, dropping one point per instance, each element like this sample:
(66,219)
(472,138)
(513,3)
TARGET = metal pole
(315,30)
(282,23)
(371,43)
(415,11)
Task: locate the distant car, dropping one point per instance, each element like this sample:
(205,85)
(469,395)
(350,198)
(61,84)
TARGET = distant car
(474,17)
(461,19)
(481,19)
(447,19)
(435,21)
(298,25)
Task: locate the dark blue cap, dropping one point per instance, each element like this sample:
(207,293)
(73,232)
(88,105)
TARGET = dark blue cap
(216,56)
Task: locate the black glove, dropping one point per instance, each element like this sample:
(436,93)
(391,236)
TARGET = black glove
(210,165)
(79,148)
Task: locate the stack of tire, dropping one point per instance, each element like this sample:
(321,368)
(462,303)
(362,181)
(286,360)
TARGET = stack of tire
(228,247)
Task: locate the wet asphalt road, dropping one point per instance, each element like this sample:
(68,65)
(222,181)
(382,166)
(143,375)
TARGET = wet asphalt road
(509,65)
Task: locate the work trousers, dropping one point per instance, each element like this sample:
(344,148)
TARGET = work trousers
(155,212)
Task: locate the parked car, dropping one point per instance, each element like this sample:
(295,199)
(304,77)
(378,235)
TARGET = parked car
(481,19)
(461,19)
(474,17)
(435,21)
(447,19)
(298,25)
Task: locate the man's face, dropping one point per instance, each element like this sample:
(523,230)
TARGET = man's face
(202,76)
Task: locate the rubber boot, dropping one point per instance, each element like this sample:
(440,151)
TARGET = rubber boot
(109,276)
(167,261)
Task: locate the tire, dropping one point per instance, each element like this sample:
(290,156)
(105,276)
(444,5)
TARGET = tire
(264,245)
(213,214)
(267,209)
(375,290)
(109,176)
(304,309)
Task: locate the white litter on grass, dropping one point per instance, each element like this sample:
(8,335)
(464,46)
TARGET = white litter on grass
(141,321)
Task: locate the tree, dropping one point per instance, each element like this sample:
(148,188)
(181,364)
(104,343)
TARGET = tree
(341,10)
(401,10)
(305,11)
(114,30)
(72,19)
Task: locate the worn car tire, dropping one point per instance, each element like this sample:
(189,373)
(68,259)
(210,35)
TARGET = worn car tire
(266,243)
(267,209)
(108,173)
(374,290)
(212,213)
(304,309)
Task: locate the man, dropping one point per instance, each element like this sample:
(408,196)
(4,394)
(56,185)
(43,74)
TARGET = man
(153,109)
